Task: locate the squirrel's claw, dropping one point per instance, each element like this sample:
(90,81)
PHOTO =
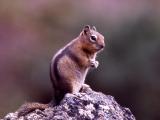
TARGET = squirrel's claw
(94,63)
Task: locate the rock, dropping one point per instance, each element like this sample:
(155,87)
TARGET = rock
(86,105)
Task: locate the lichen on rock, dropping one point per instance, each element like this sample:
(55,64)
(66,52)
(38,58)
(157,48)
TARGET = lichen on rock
(86,105)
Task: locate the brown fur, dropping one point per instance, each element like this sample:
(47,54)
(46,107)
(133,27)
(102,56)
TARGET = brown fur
(29,107)
(70,65)
(72,70)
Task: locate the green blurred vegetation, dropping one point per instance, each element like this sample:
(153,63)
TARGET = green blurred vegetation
(32,31)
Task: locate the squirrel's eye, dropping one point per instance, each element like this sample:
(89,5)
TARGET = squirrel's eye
(93,38)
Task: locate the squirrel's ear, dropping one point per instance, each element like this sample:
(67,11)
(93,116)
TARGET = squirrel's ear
(94,28)
(86,29)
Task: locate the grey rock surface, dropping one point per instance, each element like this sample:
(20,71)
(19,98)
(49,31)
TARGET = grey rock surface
(86,105)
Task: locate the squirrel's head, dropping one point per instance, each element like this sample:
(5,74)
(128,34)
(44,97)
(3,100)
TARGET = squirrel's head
(92,40)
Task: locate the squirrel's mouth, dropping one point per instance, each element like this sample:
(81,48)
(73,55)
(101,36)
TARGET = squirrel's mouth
(100,47)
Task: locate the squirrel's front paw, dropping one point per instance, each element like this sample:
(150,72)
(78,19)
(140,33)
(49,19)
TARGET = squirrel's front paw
(94,63)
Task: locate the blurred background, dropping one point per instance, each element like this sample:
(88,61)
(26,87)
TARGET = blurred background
(31,31)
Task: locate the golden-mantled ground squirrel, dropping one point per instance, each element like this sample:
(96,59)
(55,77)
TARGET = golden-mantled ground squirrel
(70,65)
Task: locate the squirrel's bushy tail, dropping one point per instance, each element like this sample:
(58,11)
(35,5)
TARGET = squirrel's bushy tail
(29,107)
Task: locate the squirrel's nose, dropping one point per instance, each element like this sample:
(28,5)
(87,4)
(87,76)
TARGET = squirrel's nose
(102,46)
